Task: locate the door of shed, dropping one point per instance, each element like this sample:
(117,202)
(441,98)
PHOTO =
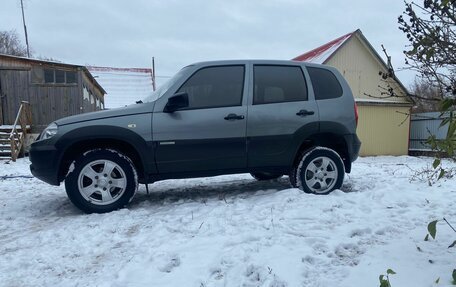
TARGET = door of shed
(14,89)
(383,130)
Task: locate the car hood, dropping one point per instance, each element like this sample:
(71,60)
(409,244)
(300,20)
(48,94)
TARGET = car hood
(117,112)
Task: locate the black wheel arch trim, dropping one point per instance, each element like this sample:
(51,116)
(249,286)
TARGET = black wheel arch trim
(103,133)
(328,134)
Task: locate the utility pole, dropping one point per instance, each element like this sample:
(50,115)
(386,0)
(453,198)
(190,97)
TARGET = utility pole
(25,29)
(153,73)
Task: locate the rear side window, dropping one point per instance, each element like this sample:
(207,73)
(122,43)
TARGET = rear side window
(325,84)
(276,84)
(215,87)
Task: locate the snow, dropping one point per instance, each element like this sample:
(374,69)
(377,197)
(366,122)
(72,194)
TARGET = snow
(321,54)
(9,127)
(232,231)
(381,101)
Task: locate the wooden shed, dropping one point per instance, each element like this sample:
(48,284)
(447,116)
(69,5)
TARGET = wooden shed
(384,123)
(54,90)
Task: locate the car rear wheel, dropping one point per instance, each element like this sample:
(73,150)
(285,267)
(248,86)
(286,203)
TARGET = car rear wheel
(319,171)
(101,180)
(265,176)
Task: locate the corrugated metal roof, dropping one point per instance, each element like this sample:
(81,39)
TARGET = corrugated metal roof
(124,86)
(321,54)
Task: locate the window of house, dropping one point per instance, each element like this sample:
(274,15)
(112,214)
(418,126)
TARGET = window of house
(215,87)
(53,76)
(49,76)
(70,77)
(37,75)
(59,76)
(275,84)
(325,84)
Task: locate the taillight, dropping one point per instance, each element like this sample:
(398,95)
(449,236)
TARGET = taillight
(356,114)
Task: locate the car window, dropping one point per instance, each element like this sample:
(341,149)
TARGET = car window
(214,87)
(164,88)
(275,84)
(325,84)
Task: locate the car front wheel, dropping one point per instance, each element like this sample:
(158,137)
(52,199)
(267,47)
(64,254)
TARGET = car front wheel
(101,180)
(319,171)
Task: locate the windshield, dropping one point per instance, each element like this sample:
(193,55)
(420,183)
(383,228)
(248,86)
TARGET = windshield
(162,89)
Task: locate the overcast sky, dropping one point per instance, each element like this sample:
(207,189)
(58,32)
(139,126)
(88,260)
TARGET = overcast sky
(177,33)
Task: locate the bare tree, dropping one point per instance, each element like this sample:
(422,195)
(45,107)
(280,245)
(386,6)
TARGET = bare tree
(11,45)
(430,28)
(431,31)
(427,98)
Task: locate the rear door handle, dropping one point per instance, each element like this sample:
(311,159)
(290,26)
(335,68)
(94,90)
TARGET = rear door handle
(303,113)
(232,117)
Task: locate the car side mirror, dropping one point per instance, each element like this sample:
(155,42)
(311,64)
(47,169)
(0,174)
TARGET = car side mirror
(176,102)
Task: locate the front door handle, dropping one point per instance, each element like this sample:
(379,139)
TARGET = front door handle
(232,117)
(303,113)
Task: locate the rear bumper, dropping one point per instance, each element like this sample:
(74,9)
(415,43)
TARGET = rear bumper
(44,159)
(353,146)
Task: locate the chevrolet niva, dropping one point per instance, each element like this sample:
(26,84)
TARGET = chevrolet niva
(268,118)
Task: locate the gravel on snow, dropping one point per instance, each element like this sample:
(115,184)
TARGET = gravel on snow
(232,231)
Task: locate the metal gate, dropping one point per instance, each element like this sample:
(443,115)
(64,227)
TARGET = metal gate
(423,125)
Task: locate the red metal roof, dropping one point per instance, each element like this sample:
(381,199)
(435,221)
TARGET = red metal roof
(114,69)
(321,54)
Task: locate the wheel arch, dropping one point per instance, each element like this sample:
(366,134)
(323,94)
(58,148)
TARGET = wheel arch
(333,141)
(82,140)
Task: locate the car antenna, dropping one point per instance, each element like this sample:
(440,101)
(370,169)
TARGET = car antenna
(139,102)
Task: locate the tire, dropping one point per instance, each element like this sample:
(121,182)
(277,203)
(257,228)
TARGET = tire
(294,169)
(319,171)
(260,176)
(102,180)
(292,176)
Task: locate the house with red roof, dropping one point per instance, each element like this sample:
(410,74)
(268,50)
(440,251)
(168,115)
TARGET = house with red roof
(384,123)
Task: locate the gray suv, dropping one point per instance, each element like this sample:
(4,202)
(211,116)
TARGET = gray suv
(267,118)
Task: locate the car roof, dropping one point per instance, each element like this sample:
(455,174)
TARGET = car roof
(254,61)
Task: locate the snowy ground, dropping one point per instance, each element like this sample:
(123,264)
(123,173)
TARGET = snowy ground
(232,231)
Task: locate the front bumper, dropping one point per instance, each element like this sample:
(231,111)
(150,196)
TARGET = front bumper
(44,159)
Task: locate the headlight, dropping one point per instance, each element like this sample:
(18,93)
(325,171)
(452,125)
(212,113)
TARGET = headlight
(49,132)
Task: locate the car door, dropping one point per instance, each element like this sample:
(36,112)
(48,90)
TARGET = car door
(210,134)
(281,113)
